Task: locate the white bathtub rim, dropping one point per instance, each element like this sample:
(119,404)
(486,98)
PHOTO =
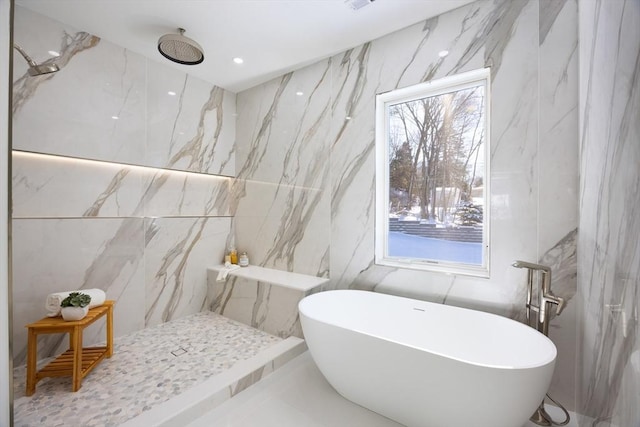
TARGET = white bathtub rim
(544,361)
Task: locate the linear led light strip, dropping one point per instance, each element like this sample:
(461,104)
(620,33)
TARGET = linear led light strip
(104,163)
(114,165)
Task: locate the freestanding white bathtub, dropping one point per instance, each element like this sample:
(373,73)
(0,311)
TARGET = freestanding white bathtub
(426,364)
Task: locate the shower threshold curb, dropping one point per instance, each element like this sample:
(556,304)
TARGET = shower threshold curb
(193,403)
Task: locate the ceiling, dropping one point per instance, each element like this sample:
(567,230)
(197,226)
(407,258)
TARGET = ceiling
(271,36)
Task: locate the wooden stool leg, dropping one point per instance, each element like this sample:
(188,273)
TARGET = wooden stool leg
(77,358)
(110,331)
(32,355)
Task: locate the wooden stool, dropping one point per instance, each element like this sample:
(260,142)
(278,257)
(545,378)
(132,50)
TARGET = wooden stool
(76,362)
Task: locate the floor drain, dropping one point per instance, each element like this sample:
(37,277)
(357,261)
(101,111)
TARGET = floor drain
(179,352)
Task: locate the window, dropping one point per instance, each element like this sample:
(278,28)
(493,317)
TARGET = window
(432,175)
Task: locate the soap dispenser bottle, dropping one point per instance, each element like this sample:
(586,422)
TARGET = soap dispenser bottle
(243,260)
(234,255)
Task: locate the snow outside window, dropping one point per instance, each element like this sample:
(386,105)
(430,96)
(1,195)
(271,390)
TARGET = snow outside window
(432,175)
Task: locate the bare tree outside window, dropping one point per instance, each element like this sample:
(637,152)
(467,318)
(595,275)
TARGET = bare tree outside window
(433,138)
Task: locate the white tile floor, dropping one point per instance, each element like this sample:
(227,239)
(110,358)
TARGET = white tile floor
(298,395)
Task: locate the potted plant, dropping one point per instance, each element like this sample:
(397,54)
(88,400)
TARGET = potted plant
(75,306)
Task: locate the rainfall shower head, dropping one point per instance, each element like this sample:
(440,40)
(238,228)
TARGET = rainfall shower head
(181,49)
(34,68)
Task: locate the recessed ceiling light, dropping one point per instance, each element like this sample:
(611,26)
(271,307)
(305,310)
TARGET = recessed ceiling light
(443,53)
(238,60)
(54,53)
(115,117)
(348,118)
(171,93)
(357,4)
(299,93)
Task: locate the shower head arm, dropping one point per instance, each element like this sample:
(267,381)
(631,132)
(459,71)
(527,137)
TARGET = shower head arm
(26,57)
(34,68)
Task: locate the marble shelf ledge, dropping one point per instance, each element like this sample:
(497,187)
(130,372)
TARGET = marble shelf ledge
(263,298)
(286,279)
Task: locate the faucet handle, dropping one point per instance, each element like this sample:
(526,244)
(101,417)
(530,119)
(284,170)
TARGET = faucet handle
(560,302)
(561,305)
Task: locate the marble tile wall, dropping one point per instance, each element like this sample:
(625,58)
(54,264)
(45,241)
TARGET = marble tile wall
(90,207)
(282,217)
(608,241)
(307,139)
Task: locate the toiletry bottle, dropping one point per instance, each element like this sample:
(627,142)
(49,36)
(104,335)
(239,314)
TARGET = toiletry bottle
(234,256)
(243,260)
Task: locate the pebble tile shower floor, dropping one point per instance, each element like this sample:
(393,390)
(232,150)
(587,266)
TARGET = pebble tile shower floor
(148,367)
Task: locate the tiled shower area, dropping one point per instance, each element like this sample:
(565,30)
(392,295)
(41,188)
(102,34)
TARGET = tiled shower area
(121,182)
(205,353)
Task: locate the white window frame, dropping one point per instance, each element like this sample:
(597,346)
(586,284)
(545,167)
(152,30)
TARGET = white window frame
(424,90)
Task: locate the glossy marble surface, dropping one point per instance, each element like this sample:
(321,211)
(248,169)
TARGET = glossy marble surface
(108,103)
(305,150)
(609,244)
(120,180)
(283,214)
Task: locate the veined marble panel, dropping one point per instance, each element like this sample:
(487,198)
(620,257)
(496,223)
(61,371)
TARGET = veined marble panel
(176,193)
(42,184)
(283,171)
(283,126)
(608,244)
(176,255)
(157,263)
(53,186)
(284,226)
(108,103)
(558,147)
(72,112)
(53,255)
(190,123)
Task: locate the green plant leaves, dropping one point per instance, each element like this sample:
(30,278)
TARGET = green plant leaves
(76,299)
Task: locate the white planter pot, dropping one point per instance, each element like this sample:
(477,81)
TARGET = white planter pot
(74,313)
